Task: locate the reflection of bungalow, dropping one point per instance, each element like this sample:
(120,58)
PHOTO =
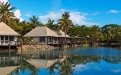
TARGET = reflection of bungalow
(7,35)
(39,63)
(7,70)
(45,35)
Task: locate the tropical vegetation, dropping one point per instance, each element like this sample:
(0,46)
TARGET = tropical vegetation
(107,33)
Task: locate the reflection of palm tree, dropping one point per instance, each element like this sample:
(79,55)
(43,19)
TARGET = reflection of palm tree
(25,65)
(54,66)
(112,59)
(66,67)
(16,71)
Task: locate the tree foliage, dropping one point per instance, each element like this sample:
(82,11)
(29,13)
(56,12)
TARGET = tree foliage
(109,32)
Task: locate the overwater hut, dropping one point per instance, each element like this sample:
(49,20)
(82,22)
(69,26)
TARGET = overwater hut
(42,35)
(7,35)
(45,35)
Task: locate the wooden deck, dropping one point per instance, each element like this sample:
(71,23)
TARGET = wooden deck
(11,43)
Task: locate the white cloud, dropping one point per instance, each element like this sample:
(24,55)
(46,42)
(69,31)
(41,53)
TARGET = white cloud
(76,17)
(17,14)
(97,68)
(80,68)
(95,13)
(28,15)
(114,11)
(4,1)
(116,71)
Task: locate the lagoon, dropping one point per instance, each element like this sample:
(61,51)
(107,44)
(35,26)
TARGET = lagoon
(72,61)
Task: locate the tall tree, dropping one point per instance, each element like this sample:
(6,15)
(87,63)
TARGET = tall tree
(110,31)
(6,12)
(94,33)
(65,23)
(50,24)
(34,21)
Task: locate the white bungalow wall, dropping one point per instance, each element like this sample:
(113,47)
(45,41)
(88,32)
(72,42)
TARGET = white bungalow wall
(36,39)
(40,40)
(46,40)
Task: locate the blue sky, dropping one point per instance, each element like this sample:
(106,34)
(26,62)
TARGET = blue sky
(82,12)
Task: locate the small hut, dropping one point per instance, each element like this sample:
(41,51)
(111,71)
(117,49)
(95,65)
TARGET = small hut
(7,35)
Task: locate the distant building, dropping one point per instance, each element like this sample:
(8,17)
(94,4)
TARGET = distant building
(7,35)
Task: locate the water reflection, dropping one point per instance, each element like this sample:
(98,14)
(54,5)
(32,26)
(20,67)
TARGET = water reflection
(59,62)
(8,63)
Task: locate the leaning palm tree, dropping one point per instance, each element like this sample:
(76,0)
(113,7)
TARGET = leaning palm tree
(6,12)
(34,21)
(65,23)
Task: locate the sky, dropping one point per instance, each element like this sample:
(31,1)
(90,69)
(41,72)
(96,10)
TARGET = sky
(82,12)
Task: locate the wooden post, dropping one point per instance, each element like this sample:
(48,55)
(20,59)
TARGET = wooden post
(21,50)
(0,61)
(9,50)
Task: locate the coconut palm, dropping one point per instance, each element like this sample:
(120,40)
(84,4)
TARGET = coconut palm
(34,21)
(6,12)
(50,24)
(65,23)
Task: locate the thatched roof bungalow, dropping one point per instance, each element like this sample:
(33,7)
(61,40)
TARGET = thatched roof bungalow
(45,35)
(7,34)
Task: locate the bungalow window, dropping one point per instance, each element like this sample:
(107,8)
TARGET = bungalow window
(2,39)
(11,38)
(42,39)
(6,39)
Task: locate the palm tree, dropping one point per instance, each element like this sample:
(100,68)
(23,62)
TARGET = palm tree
(50,24)
(6,12)
(34,21)
(65,23)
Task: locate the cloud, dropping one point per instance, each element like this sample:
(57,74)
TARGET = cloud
(114,11)
(17,14)
(95,13)
(28,15)
(116,71)
(4,1)
(76,17)
(80,68)
(97,68)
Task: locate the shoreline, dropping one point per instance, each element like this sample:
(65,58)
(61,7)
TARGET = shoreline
(35,48)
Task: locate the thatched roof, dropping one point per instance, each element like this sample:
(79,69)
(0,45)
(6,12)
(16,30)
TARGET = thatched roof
(62,34)
(40,31)
(44,31)
(7,31)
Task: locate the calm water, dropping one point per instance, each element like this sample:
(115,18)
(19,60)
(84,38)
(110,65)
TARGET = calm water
(74,61)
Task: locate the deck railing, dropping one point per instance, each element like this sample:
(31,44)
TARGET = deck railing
(12,43)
